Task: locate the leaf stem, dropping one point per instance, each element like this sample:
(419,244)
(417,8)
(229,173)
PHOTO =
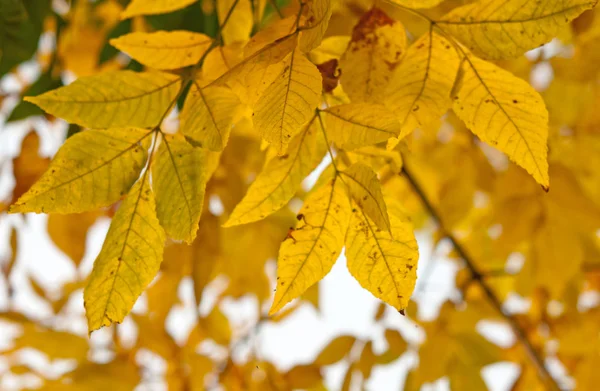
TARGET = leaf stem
(478,276)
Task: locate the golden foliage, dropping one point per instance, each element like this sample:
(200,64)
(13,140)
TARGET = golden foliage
(228,138)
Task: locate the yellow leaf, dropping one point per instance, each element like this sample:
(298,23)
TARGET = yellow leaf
(303,377)
(178,180)
(355,125)
(92,169)
(417,3)
(365,189)
(377,47)
(112,99)
(207,116)
(281,177)
(419,91)
(384,264)
(55,344)
(129,259)
(316,244)
(367,360)
(289,102)
(507,113)
(120,374)
(69,232)
(153,7)
(239,22)
(164,49)
(251,76)
(273,32)
(216,326)
(336,350)
(396,346)
(205,253)
(330,48)
(319,12)
(29,166)
(509,28)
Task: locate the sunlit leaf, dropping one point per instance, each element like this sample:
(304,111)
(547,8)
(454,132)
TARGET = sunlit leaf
(281,177)
(93,169)
(419,91)
(509,28)
(365,189)
(164,49)
(506,112)
(315,244)
(355,125)
(385,264)
(129,259)
(152,7)
(112,99)
(208,115)
(289,102)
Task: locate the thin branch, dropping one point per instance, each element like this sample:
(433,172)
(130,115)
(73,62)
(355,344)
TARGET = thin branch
(478,276)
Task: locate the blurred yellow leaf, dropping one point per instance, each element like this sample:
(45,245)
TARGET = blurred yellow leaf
(152,7)
(336,350)
(239,24)
(69,232)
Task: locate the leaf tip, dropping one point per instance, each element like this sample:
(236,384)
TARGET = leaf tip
(402,312)
(31,99)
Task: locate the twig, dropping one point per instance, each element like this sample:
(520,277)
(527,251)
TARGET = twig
(477,276)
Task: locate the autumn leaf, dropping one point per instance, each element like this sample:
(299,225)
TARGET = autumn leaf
(152,7)
(253,74)
(497,30)
(317,20)
(94,168)
(112,99)
(416,4)
(376,49)
(179,176)
(365,189)
(164,49)
(239,24)
(314,245)
(505,112)
(289,102)
(355,125)
(129,259)
(419,90)
(208,115)
(281,177)
(384,263)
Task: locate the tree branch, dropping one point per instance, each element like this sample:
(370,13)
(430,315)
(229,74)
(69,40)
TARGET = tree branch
(477,276)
